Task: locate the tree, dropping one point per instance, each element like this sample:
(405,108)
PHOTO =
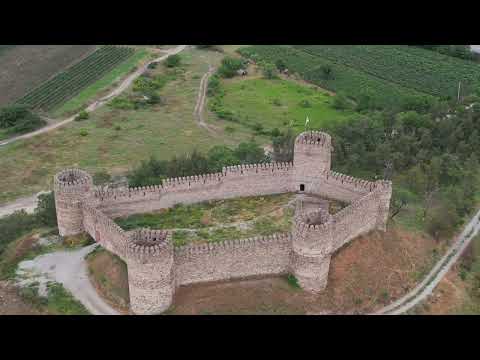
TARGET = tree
(18,119)
(269,71)
(280,64)
(249,153)
(442,221)
(283,146)
(173,60)
(229,67)
(326,72)
(340,102)
(45,211)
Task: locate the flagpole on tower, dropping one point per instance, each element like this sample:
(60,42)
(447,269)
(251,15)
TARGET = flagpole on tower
(307,121)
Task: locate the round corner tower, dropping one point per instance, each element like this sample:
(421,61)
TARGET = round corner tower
(151,277)
(71,188)
(312,241)
(312,157)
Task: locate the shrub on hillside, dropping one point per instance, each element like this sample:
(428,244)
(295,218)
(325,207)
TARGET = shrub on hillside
(173,61)
(83,115)
(269,71)
(18,119)
(45,211)
(230,66)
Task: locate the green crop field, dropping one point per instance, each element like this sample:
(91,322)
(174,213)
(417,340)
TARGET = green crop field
(390,74)
(70,82)
(411,67)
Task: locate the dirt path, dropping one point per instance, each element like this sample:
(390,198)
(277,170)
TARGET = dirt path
(202,96)
(423,290)
(27,203)
(95,105)
(70,269)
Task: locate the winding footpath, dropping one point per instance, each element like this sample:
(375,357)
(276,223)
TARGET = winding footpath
(202,96)
(95,105)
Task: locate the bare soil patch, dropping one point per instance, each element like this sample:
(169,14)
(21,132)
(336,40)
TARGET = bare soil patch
(365,275)
(108,274)
(11,303)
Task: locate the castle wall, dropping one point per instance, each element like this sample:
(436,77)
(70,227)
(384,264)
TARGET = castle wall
(235,181)
(233,259)
(334,185)
(105,231)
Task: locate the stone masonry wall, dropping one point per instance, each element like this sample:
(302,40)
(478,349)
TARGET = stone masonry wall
(235,181)
(233,259)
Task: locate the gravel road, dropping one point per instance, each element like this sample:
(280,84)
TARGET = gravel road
(70,269)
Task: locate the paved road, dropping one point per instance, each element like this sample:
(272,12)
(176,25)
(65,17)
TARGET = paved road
(426,287)
(117,91)
(70,269)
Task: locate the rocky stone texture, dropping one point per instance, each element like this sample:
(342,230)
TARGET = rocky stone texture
(155,268)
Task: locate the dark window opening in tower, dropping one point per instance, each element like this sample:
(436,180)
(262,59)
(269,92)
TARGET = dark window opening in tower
(302,187)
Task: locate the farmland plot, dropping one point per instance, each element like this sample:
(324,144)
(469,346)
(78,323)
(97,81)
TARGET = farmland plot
(23,67)
(423,70)
(70,82)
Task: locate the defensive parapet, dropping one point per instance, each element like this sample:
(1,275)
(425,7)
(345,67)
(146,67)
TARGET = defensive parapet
(150,264)
(312,157)
(71,187)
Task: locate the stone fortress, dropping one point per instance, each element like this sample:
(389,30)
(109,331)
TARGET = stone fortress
(156,268)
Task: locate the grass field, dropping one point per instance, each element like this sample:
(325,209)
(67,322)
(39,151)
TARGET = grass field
(277,104)
(219,220)
(116,140)
(27,66)
(102,85)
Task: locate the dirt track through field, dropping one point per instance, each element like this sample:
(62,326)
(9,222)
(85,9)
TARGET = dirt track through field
(94,106)
(202,96)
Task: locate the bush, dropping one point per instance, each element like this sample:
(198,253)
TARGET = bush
(269,71)
(18,119)
(229,67)
(213,86)
(45,211)
(340,102)
(305,104)
(173,61)
(15,225)
(83,132)
(83,115)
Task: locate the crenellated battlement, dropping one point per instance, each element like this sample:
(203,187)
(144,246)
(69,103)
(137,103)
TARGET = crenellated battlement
(156,267)
(147,245)
(228,245)
(71,178)
(315,138)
